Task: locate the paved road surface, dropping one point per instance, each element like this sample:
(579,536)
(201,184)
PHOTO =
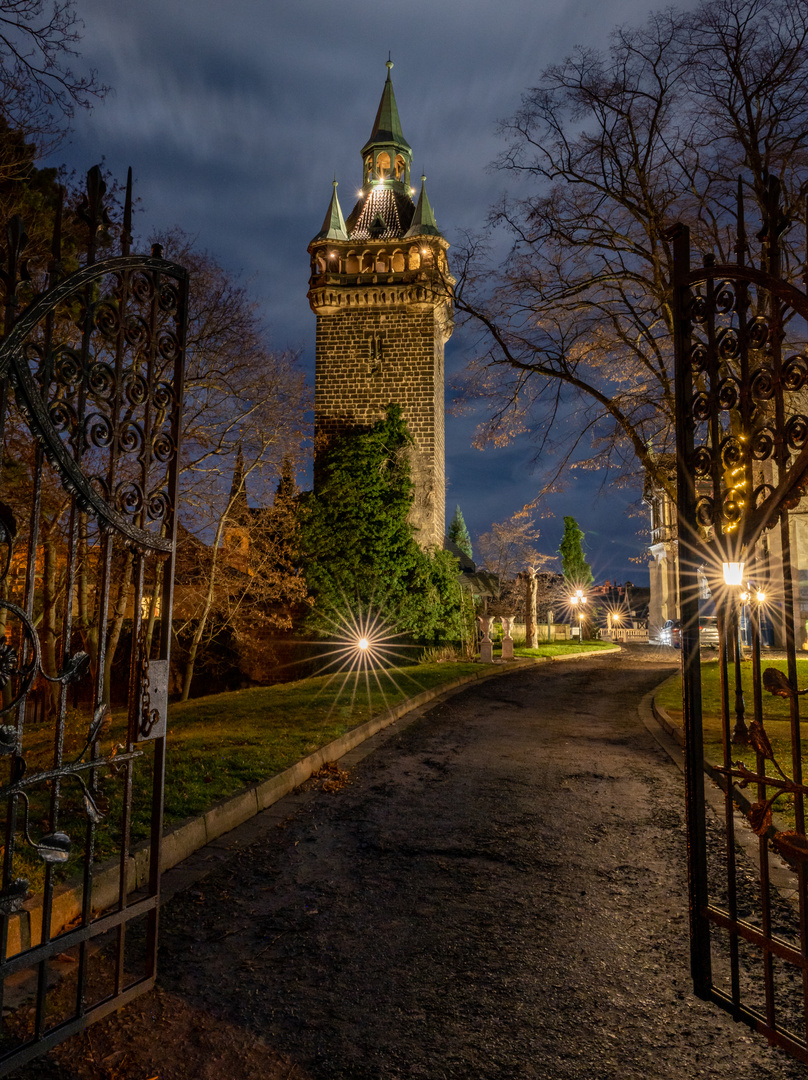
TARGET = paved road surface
(497,893)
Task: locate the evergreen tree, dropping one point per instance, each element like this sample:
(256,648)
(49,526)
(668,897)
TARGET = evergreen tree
(359,549)
(576,569)
(459,534)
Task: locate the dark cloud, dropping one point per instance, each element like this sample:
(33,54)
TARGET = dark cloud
(235,118)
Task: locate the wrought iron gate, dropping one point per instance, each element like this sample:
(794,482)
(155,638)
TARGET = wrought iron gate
(742,469)
(91,376)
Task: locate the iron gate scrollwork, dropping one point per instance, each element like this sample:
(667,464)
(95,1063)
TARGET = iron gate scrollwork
(742,469)
(91,386)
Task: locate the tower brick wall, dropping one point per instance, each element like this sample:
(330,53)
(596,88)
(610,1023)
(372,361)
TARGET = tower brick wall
(370,358)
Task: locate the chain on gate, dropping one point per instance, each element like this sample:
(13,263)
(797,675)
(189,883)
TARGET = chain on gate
(742,470)
(91,383)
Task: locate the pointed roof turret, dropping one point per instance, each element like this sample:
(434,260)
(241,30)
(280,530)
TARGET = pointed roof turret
(387,126)
(423,220)
(334,224)
(387,155)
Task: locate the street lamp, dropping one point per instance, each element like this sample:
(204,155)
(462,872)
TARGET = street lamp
(578,600)
(733,573)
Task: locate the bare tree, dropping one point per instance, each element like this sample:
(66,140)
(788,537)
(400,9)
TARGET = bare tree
(506,550)
(509,546)
(244,403)
(614,148)
(39,88)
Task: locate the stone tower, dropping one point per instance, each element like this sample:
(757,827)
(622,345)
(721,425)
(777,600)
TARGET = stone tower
(381,290)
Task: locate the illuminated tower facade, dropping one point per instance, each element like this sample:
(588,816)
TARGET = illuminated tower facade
(381,290)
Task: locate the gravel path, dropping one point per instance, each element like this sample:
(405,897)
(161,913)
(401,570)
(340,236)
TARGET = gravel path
(498,892)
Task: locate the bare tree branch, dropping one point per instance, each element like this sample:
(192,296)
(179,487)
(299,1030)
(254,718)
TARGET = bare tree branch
(613,148)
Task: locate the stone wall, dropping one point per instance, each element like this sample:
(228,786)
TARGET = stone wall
(368,359)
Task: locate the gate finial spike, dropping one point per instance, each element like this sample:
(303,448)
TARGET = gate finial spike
(126,234)
(740,241)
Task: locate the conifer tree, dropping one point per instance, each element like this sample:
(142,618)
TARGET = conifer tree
(459,534)
(576,569)
(359,548)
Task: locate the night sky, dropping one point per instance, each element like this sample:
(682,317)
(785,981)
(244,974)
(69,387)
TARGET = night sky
(236,116)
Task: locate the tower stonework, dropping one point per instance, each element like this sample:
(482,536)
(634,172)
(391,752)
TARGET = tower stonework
(381,290)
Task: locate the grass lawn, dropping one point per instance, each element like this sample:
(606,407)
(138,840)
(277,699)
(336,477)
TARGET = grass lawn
(220,744)
(562,648)
(775,720)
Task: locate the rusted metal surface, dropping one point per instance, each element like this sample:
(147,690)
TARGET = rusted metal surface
(742,469)
(91,378)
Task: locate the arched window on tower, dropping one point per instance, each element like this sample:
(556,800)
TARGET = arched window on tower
(368,167)
(397,264)
(401,167)
(381,262)
(352,263)
(383,164)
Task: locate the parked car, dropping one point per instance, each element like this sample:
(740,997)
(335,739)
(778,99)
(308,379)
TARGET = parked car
(671,632)
(708,631)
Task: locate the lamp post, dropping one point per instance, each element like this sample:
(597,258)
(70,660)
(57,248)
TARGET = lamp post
(578,600)
(733,578)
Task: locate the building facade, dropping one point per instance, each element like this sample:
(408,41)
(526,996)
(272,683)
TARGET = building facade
(382,293)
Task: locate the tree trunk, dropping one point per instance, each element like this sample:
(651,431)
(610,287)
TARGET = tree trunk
(118,614)
(531,630)
(193,649)
(208,605)
(154,604)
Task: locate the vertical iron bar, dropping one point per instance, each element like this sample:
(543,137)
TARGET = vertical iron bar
(30,588)
(763,842)
(700,959)
(726,629)
(740,733)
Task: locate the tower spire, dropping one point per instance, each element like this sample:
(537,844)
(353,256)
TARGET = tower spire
(423,220)
(387,154)
(334,223)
